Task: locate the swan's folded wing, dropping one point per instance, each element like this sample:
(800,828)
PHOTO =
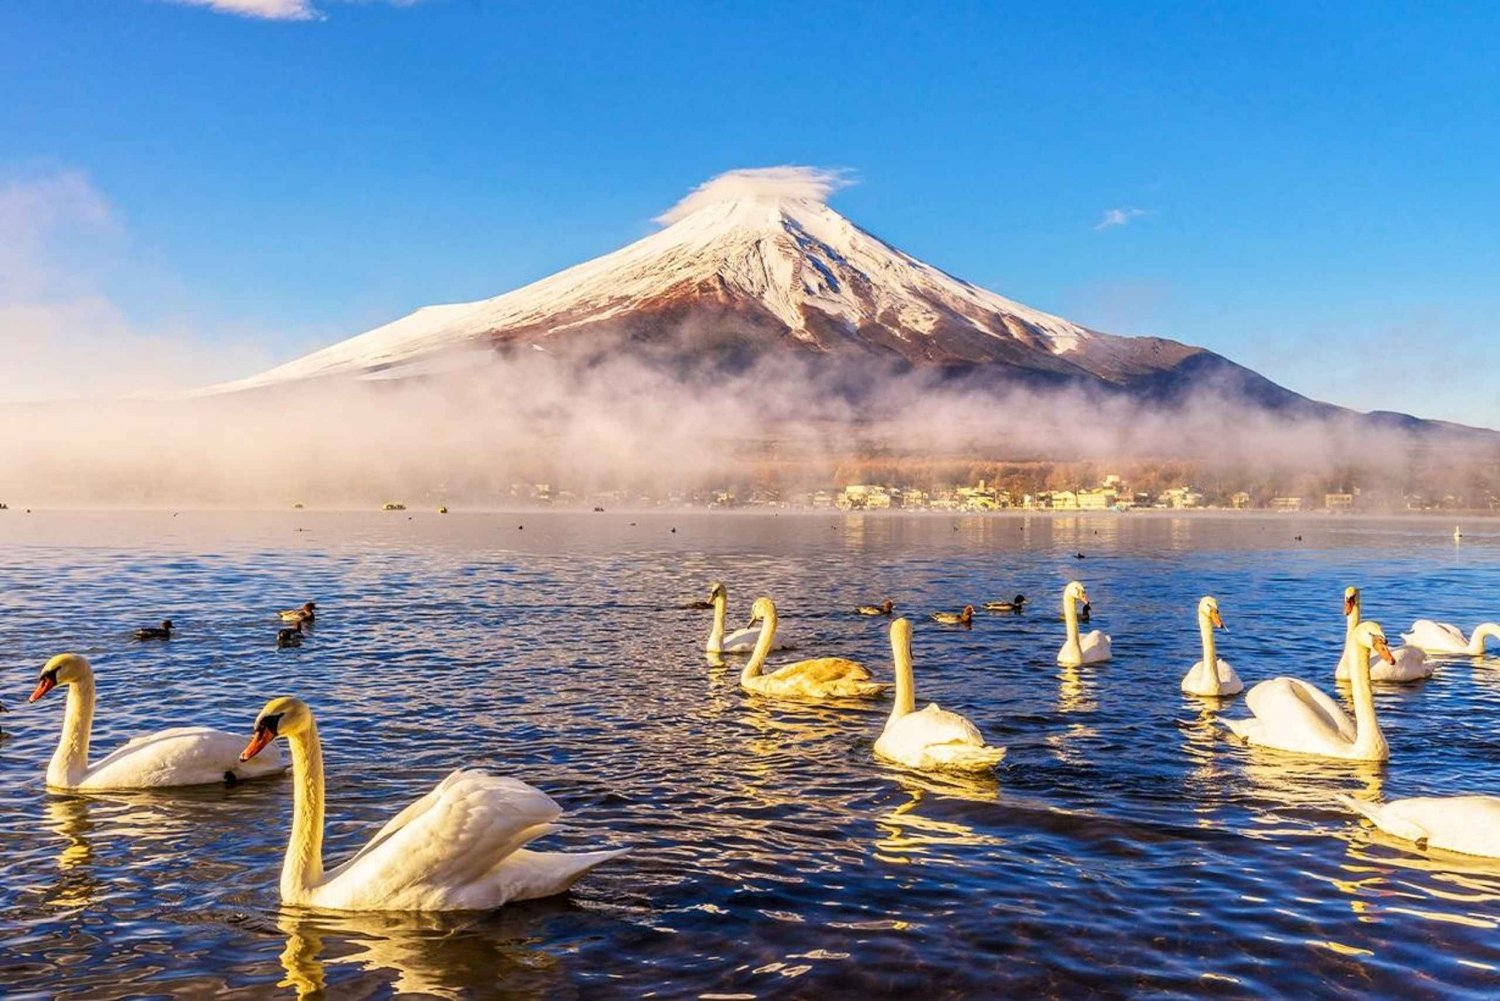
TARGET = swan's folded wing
(1291,704)
(181,755)
(449,838)
(823,670)
(934,725)
(1439,636)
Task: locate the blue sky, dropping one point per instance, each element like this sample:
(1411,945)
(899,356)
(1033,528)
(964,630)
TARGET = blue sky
(190,193)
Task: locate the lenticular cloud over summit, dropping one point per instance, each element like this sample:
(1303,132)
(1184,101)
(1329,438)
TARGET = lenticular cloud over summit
(809,184)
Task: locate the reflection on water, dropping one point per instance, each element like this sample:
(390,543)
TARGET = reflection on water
(1126,839)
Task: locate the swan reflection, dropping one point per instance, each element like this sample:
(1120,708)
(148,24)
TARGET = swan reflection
(433,955)
(909,831)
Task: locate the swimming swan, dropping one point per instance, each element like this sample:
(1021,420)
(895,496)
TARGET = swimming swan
(1408,662)
(457,848)
(1087,649)
(823,678)
(933,739)
(1221,679)
(739,641)
(1469,825)
(181,756)
(1442,638)
(1291,715)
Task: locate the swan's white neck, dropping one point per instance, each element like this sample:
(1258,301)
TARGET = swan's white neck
(716,634)
(1476,641)
(762,647)
(906,687)
(1369,742)
(1070,617)
(303,868)
(70,762)
(1210,651)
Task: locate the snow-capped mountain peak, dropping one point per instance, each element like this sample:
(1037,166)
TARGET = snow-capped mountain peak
(757,249)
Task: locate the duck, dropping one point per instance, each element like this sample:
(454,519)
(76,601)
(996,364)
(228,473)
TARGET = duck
(306,613)
(1016,604)
(886,607)
(460,847)
(964,618)
(1444,638)
(1408,662)
(739,641)
(1293,716)
(1089,648)
(1468,825)
(180,756)
(161,632)
(821,678)
(1220,680)
(934,739)
(289,637)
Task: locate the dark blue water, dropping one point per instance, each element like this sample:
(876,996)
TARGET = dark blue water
(1126,845)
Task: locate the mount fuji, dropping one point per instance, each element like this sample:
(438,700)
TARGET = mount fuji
(755,263)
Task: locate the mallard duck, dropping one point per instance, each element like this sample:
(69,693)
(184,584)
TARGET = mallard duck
(291,636)
(300,615)
(1016,604)
(161,632)
(884,608)
(964,618)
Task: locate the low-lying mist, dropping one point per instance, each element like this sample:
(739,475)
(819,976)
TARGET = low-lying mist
(619,423)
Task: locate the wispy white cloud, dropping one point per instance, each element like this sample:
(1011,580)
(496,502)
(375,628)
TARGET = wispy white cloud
(813,184)
(266,10)
(1122,217)
(62,335)
(279,10)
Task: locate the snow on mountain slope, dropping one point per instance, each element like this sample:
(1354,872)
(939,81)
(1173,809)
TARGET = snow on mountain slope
(760,247)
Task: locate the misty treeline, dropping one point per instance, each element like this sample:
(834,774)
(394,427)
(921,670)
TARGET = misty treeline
(782,423)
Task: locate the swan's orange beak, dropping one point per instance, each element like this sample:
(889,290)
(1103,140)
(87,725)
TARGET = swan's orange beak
(262,736)
(1349,605)
(1216,618)
(44,684)
(1384,649)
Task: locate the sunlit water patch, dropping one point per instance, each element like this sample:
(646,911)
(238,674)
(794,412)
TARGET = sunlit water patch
(1126,844)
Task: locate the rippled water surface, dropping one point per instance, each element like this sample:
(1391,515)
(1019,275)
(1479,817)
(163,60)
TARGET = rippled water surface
(1125,845)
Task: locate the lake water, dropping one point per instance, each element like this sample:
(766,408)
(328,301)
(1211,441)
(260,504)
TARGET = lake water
(1125,845)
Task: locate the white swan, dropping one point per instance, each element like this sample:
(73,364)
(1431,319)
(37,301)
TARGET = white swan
(1408,663)
(739,641)
(1443,638)
(822,678)
(933,739)
(1090,648)
(181,756)
(1291,715)
(1469,825)
(1220,679)
(458,848)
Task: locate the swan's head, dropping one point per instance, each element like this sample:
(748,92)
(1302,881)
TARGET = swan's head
(1351,600)
(1370,636)
(901,636)
(762,609)
(1075,592)
(280,718)
(1208,608)
(716,591)
(64,669)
